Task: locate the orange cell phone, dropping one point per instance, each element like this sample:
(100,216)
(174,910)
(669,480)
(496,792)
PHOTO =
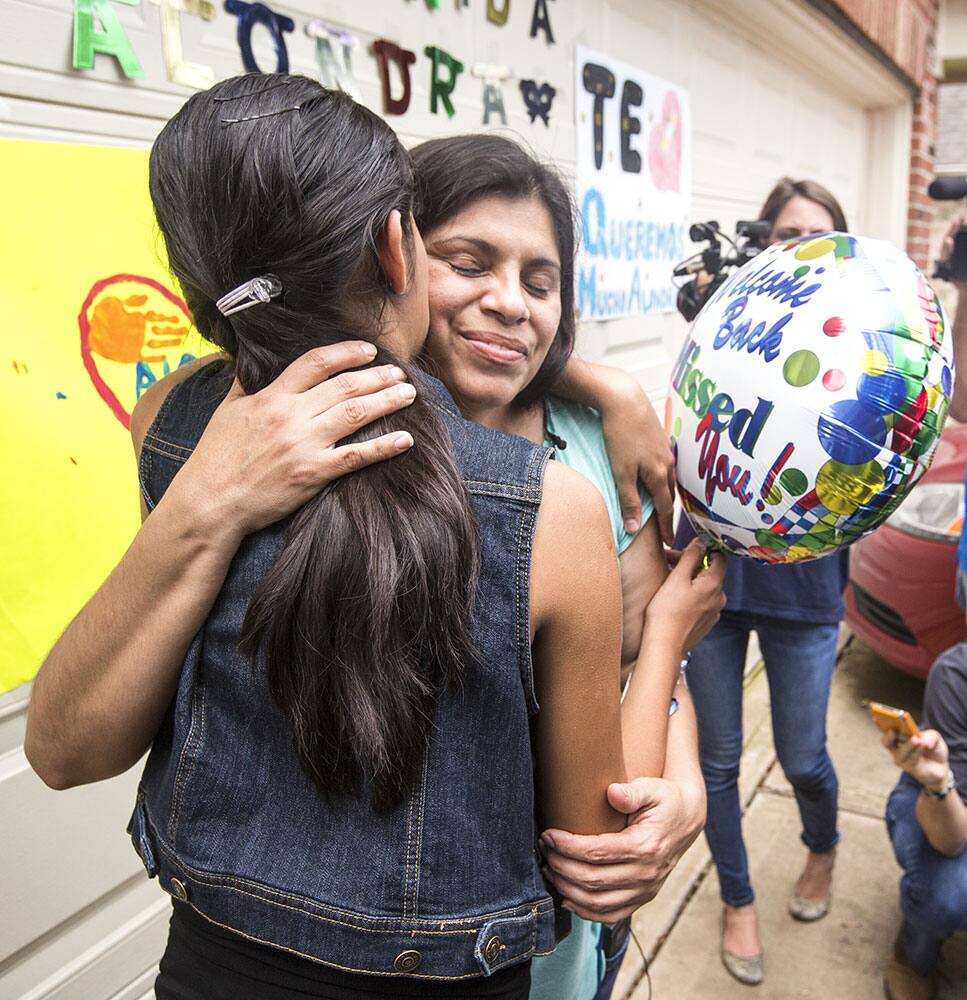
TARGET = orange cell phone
(894,719)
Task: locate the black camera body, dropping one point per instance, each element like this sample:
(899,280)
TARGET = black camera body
(955,267)
(750,238)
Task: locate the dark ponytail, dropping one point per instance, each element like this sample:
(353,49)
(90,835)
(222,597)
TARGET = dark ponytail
(366,613)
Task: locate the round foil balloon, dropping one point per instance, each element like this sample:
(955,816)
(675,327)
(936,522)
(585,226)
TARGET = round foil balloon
(809,397)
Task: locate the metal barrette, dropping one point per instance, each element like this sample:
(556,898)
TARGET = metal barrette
(252,293)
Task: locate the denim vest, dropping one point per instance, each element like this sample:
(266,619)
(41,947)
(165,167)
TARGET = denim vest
(446,886)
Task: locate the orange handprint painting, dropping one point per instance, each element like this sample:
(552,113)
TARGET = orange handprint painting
(133,331)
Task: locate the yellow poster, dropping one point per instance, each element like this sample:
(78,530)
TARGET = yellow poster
(90,320)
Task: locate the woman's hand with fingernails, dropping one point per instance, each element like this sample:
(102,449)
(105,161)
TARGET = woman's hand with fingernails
(264,455)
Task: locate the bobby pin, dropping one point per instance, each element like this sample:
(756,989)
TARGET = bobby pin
(264,114)
(250,293)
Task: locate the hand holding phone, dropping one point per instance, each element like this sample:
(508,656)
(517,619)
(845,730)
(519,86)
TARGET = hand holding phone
(923,755)
(894,720)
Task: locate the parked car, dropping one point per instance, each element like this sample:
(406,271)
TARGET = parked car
(900,600)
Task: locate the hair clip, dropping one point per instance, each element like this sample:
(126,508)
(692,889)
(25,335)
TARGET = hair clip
(264,114)
(251,293)
(251,93)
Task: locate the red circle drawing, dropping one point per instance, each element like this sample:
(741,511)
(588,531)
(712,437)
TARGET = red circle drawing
(84,325)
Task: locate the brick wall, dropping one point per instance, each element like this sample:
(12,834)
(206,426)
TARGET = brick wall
(905,31)
(900,28)
(921,209)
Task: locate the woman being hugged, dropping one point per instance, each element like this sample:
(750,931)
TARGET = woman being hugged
(340,795)
(499,229)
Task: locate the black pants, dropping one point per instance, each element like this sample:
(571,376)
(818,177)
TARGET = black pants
(205,962)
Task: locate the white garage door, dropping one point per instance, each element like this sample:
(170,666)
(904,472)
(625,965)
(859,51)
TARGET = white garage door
(774,90)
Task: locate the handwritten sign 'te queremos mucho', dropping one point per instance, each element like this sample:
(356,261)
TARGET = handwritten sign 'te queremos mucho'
(633,186)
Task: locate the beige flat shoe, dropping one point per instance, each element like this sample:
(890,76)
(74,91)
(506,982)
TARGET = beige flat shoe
(750,971)
(808,910)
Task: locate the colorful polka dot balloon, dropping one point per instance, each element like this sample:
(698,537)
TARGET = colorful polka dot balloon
(809,397)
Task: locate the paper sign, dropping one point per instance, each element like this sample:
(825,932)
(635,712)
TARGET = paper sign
(633,178)
(90,319)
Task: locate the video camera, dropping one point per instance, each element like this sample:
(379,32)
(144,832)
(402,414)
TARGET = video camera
(951,189)
(750,237)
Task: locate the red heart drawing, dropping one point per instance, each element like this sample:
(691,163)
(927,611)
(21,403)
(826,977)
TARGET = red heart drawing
(665,145)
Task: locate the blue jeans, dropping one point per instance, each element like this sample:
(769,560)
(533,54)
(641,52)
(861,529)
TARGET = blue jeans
(799,660)
(611,966)
(933,890)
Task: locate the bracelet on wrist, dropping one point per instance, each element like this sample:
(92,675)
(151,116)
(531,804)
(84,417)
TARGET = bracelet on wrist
(950,783)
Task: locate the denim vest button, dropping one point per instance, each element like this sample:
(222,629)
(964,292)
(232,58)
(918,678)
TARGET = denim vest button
(178,890)
(407,961)
(492,949)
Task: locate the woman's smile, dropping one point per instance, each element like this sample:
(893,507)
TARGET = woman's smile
(495,347)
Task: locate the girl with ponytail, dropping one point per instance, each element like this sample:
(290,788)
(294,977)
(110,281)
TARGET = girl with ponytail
(226,192)
(399,677)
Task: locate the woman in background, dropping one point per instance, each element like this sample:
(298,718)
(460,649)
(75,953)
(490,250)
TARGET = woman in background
(795,611)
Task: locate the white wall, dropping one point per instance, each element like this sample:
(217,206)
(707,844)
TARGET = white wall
(952,41)
(773,89)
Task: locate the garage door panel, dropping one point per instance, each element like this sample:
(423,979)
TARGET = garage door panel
(105,954)
(652,43)
(61,851)
(715,93)
(769,118)
(711,107)
(722,179)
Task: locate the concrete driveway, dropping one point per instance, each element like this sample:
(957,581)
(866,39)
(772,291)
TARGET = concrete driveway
(841,956)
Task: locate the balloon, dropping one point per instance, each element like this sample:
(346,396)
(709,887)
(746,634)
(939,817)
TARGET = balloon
(809,397)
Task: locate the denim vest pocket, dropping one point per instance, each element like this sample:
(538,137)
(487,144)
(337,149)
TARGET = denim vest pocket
(186,759)
(140,837)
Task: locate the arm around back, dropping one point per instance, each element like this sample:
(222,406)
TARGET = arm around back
(103,689)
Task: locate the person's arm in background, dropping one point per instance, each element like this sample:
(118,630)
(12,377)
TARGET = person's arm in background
(685,607)
(958,402)
(104,687)
(638,447)
(927,760)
